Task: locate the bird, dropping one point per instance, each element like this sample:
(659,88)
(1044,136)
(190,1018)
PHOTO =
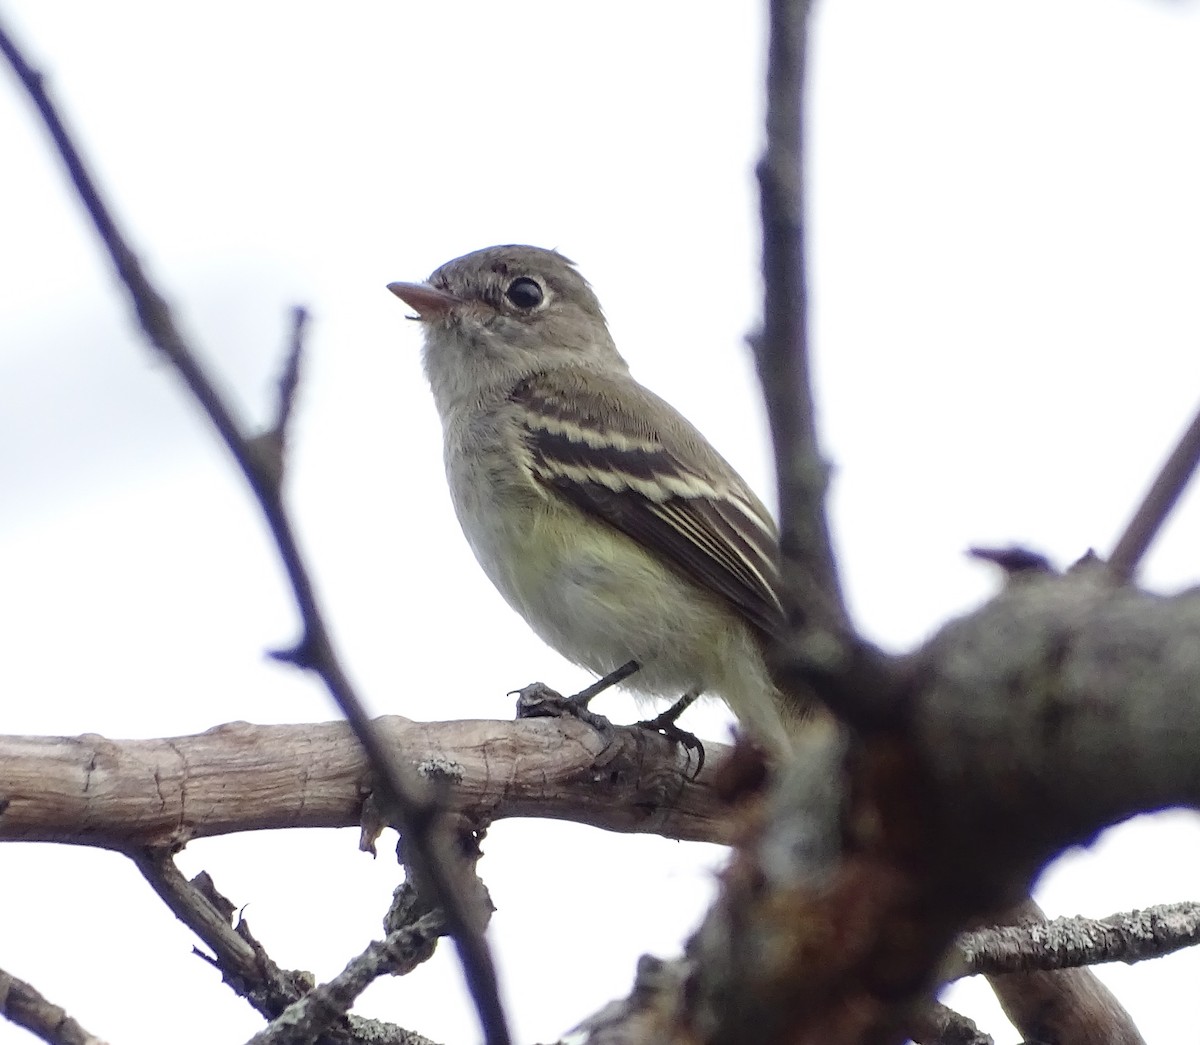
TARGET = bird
(599,512)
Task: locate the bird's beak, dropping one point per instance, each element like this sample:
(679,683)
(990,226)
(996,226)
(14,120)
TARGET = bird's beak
(428,302)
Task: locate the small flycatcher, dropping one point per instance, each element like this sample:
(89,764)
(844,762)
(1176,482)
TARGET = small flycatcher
(600,513)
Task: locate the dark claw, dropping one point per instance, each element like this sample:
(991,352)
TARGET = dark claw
(537,700)
(665,725)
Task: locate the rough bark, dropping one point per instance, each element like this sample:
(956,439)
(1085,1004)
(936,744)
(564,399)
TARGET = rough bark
(241,777)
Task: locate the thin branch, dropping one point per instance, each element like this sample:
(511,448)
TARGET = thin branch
(25,1006)
(1066,1006)
(1152,513)
(1067,943)
(243,962)
(414,807)
(413,929)
(269,447)
(822,655)
(289,377)
(781,350)
(399,952)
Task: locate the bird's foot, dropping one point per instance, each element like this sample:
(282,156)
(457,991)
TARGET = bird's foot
(667,725)
(537,700)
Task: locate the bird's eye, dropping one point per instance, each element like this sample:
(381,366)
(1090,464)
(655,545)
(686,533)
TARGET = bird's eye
(524,292)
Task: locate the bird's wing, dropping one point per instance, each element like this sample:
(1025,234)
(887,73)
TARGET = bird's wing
(660,483)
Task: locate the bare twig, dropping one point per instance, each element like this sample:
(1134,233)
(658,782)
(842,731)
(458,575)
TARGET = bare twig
(413,929)
(289,377)
(1156,506)
(1066,943)
(400,951)
(25,1006)
(243,962)
(822,654)
(413,806)
(781,350)
(269,447)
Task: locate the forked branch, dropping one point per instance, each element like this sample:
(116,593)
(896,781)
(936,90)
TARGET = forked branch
(401,794)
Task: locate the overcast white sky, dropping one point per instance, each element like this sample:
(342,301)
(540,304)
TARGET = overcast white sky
(1006,253)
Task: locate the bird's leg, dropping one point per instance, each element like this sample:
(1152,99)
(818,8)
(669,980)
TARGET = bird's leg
(617,675)
(667,725)
(539,701)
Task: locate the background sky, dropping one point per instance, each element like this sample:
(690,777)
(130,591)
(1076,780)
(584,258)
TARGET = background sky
(1005,254)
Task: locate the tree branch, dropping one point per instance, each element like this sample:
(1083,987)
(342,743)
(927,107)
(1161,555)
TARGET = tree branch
(856,875)
(244,963)
(1021,709)
(937,1024)
(1067,1007)
(1152,513)
(242,777)
(410,940)
(1067,943)
(414,806)
(23,1005)
(822,655)
(781,350)
(289,376)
